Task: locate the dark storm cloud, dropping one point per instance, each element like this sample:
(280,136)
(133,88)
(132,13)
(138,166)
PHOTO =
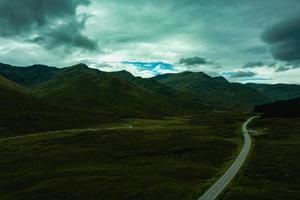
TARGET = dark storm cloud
(67,34)
(252,64)
(194,61)
(288,66)
(50,23)
(284,39)
(240,74)
(285,68)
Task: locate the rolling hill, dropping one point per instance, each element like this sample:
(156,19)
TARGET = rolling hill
(213,90)
(147,83)
(125,95)
(11,92)
(28,76)
(22,112)
(277,92)
(82,87)
(183,99)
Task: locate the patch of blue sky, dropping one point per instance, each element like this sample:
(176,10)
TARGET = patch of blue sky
(156,68)
(150,65)
(256,79)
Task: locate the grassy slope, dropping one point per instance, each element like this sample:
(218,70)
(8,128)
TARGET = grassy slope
(147,83)
(203,89)
(21,112)
(156,159)
(277,92)
(273,169)
(182,99)
(214,91)
(28,76)
(91,89)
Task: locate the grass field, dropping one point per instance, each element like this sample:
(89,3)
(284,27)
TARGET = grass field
(273,168)
(174,158)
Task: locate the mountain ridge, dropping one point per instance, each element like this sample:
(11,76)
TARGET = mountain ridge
(216,90)
(50,98)
(28,76)
(195,88)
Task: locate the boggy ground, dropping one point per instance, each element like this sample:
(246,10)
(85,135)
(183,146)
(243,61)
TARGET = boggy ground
(272,171)
(173,158)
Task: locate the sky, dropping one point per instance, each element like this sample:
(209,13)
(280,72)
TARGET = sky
(242,40)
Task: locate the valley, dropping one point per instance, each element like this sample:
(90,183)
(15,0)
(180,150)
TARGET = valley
(81,133)
(172,158)
(149,100)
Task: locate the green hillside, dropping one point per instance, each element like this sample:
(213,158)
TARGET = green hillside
(277,92)
(22,112)
(28,76)
(11,92)
(183,99)
(87,88)
(147,83)
(125,95)
(216,91)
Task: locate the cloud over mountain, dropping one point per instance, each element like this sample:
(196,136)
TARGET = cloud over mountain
(192,35)
(194,61)
(240,74)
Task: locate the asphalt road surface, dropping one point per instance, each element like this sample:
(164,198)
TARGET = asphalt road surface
(214,191)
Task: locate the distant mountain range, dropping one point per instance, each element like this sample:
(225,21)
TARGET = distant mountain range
(277,92)
(43,95)
(217,91)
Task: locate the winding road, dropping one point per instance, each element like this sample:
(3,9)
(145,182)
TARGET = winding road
(214,191)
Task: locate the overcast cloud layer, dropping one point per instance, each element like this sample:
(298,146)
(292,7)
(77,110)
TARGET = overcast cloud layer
(246,41)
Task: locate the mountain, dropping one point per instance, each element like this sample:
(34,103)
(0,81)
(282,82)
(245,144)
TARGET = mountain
(213,90)
(183,100)
(28,76)
(22,112)
(277,92)
(125,95)
(286,108)
(17,107)
(86,88)
(149,84)
(10,91)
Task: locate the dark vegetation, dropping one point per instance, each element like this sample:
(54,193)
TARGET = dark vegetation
(21,112)
(28,76)
(214,91)
(287,108)
(272,171)
(110,154)
(49,98)
(92,89)
(277,92)
(175,158)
